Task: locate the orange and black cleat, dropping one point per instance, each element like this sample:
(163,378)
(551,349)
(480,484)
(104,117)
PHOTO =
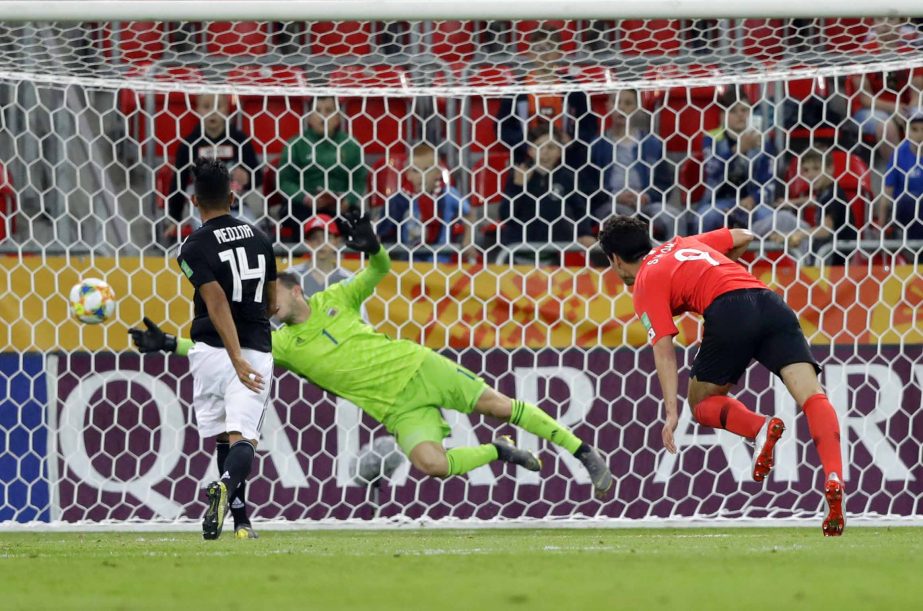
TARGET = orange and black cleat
(835,494)
(766,441)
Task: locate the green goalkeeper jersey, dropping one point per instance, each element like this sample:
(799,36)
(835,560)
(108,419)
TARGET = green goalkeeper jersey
(338,351)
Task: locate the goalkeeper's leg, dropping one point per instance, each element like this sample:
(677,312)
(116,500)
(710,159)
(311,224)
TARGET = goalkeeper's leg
(420,430)
(533,419)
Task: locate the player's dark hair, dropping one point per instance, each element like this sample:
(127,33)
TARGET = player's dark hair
(625,236)
(212,183)
(288,279)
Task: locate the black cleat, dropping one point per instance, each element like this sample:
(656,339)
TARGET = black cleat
(597,468)
(508,452)
(213,521)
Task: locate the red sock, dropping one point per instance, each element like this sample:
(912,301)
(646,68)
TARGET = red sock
(825,431)
(722,412)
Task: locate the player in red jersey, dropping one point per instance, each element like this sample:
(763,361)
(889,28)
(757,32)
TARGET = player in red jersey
(744,320)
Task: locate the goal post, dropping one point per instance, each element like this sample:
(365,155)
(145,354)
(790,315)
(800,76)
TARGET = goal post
(488,141)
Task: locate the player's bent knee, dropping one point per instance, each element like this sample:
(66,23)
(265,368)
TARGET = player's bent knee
(493,403)
(699,391)
(430,459)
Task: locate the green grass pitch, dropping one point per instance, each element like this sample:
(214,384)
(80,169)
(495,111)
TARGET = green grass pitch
(489,569)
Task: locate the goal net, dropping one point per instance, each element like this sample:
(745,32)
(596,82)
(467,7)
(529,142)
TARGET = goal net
(488,152)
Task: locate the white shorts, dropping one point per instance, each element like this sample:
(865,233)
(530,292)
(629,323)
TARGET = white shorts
(222,404)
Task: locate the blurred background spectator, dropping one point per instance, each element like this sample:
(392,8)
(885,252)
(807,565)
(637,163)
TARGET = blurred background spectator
(902,200)
(568,113)
(628,171)
(541,203)
(324,242)
(820,216)
(322,170)
(429,214)
(739,166)
(215,137)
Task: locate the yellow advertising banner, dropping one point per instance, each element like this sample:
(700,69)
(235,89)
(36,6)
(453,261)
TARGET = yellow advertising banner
(473,306)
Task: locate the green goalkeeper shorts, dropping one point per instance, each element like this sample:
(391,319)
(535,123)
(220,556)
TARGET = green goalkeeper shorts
(439,382)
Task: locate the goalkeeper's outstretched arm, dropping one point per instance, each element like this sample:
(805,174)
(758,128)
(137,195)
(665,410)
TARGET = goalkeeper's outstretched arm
(360,235)
(153,339)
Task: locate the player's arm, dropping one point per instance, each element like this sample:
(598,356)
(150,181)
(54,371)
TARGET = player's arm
(730,242)
(667,373)
(153,339)
(360,235)
(741,239)
(652,303)
(219,312)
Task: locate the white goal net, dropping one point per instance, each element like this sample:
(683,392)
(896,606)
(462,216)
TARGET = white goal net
(488,152)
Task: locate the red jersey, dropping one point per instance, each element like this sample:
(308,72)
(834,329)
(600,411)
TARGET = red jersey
(686,275)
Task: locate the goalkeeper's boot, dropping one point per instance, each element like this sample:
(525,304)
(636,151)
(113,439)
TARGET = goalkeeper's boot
(597,468)
(766,441)
(835,493)
(245,531)
(217,493)
(508,452)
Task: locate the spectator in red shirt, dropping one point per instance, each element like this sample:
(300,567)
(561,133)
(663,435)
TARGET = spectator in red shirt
(743,320)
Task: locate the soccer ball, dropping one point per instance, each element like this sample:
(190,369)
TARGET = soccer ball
(92,301)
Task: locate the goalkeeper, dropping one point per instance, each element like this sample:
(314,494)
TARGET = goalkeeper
(397,382)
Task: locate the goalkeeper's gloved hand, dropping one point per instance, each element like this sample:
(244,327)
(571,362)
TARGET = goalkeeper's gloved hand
(359,233)
(152,339)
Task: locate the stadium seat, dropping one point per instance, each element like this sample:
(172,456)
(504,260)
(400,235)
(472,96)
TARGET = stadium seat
(174,112)
(138,42)
(595,74)
(686,113)
(651,37)
(482,111)
(845,34)
(378,123)
(763,38)
(385,178)
(341,38)
(802,91)
(274,119)
(8,204)
(692,179)
(489,178)
(452,41)
(236,38)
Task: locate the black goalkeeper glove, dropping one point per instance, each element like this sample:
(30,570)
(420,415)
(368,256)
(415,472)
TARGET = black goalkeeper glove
(153,339)
(359,233)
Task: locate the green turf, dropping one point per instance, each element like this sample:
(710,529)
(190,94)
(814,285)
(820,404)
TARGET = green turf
(778,569)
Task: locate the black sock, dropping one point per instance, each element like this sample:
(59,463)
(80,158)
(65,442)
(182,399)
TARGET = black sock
(221,454)
(239,500)
(583,449)
(237,466)
(239,506)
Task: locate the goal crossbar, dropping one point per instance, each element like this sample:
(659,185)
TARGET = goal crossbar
(182,10)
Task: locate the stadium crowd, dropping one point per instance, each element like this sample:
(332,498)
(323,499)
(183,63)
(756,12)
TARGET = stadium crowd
(811,165)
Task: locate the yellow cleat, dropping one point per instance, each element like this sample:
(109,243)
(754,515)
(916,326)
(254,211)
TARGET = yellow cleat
(245,531)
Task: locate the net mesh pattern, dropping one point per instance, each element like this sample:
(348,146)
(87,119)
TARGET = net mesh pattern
(488,154)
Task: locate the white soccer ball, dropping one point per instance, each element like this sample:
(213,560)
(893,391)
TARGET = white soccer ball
(92,301)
